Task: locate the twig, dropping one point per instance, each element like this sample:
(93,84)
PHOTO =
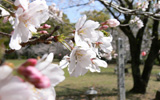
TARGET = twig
(41,39)
(124,10)
(5,34)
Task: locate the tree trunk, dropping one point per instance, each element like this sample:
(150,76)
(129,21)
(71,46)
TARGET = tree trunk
(139,81)
(135,63)
(155,47)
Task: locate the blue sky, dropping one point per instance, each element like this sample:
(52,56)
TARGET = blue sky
(74,13)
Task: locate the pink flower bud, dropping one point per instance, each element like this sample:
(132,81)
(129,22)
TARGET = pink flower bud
(22,70)
(30,62)
(103,27)
(43,32)
(34,76)
(103,23)
(112,22)
(45,26)
(43,83)
(143,53)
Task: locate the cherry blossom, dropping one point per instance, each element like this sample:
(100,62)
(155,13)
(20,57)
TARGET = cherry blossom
(104,43)
(142,5)
(42,76)
(143,53)
(84,59)
(42,73)
(110,23)
(29,16)
(12,87)
(96,62)
(85,30)
(64,62)
(55,13)
(138,22)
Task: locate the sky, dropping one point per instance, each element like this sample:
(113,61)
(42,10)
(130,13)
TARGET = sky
(74,13)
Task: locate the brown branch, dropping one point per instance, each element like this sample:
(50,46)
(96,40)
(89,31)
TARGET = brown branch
(41,39)
(113,14)
(78,5)
(124,10)
(5,34)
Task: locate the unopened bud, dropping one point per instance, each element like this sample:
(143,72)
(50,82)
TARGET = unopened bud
(43,32)
(30,62)
(43,83)
(103,27)
(143,53)
(45,26)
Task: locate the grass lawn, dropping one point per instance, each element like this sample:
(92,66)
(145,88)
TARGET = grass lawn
(105,83)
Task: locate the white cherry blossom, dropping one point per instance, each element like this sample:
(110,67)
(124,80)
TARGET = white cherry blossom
(96,63)
(64,62)
(142,4)
(52,71)
(104,43)
(84,59)
(43,94)
(85,29)
(11,87)
(138,22)
(112,23)
(29,16)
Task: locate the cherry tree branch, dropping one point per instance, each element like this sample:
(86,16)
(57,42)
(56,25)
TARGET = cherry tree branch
(124,10)
(41,39)
(78,5)
(5,34)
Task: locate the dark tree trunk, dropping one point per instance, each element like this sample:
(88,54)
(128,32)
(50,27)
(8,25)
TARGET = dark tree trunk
(158,58)
(155,47)
(135,63)
(140,81)
(135,48)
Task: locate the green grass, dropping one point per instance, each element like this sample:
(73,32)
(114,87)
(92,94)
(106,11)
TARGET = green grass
(16,62)
(105,83)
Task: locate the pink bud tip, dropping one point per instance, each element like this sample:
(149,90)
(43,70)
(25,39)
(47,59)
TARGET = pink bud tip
(45,26)
(103,27)
(43,83)
(43,32)
(30,62)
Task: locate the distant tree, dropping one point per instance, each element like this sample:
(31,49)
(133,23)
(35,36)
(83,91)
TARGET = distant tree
(95,15)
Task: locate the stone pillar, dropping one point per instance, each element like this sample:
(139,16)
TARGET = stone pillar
(120,70)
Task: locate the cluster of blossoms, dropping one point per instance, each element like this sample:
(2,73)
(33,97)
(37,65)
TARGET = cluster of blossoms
(142,4)
(55,13)
(33,80)
(27,18)
(138,22)
(89,39)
